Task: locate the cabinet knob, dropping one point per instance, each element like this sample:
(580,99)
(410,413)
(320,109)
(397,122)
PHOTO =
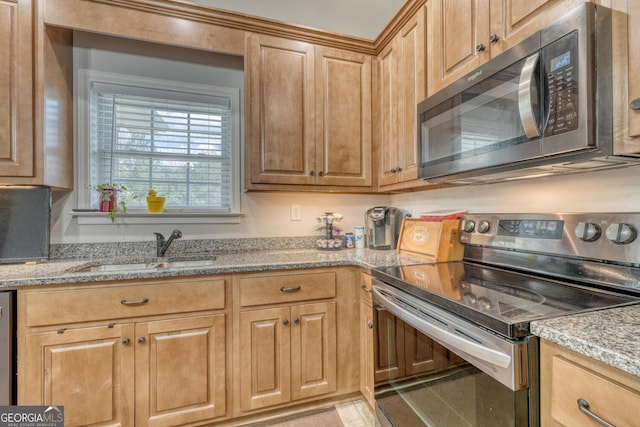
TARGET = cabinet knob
(493,38)
(285,322)
(126,341)
(364,288)
(320,173)
(370,325)
(296,321)
(480,47)
(635,104)
(312,173)
(141,340)
(394,170)
(398,169)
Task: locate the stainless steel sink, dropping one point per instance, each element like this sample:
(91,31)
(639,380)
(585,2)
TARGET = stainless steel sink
(161,265)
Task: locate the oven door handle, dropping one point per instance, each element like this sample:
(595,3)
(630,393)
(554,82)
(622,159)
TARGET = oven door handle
(448,339)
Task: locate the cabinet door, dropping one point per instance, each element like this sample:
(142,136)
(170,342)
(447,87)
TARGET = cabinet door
(388,346)
(366,350)
(514,20)
(280,100)
(265,352)
(456,39)
(313,350)
(90,371)
(343,122)
(412,90)
(422,354)
(180,370)
(16,96)
(388,110)
(634,65)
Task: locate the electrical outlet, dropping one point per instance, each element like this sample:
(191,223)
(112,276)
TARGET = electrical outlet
(295,213)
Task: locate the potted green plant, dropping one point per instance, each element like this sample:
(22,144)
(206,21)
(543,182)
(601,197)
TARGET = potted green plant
(109,199)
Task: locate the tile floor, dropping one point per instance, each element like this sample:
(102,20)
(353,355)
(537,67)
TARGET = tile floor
(356,414)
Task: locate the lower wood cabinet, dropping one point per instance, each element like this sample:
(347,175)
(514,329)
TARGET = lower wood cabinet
(296,337)
(568,379)
(162,371)
(287,353)
(90,371)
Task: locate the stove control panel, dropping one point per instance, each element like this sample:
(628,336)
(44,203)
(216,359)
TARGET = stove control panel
(601,236)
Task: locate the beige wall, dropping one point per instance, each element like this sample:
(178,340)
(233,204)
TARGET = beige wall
(607,191)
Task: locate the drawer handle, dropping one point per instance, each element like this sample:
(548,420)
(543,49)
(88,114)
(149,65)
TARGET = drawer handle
(136,302)
(293,289)
(364,288)
(583,405)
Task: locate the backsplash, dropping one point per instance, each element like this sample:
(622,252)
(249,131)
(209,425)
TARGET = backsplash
(178,247)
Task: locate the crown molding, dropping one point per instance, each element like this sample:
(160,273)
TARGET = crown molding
(249,23)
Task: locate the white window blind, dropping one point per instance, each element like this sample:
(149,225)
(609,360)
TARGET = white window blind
(180,144)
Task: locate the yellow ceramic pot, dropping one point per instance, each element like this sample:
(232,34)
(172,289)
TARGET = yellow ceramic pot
(155,204)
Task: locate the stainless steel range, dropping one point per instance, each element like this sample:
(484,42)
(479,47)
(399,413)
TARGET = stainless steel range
(475,314)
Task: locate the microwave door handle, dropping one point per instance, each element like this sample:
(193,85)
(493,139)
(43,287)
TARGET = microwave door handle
(525,104)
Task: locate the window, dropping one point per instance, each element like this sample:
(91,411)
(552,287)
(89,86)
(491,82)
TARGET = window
(179,139)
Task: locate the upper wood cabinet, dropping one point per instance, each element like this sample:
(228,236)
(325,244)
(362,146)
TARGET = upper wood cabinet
(402,84)
(633,67)
(16,96)
(279,83)
(36,139)
(626,79)
(463,34)
(343,118)
(309,115)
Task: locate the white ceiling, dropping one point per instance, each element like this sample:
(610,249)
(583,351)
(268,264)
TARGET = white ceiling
(359,18)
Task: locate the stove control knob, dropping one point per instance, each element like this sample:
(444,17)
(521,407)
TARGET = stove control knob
(483,226)
(587,231)
(621,233)
(469,225)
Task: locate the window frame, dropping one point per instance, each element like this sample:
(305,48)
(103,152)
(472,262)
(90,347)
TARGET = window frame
(85,80)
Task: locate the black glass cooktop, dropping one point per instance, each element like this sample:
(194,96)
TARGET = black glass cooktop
(502,301)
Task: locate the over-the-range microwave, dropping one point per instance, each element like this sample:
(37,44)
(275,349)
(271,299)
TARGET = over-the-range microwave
(542,107)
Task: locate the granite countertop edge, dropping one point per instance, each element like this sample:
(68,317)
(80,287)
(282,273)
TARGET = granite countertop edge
(609,336)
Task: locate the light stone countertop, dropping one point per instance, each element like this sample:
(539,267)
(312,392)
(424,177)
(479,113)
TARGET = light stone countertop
(65,270)
(609,336)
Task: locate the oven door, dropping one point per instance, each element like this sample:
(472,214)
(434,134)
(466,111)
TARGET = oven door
(434,369)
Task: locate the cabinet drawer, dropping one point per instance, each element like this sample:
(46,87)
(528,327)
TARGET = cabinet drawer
(61,306)
(608,399)
(287,288)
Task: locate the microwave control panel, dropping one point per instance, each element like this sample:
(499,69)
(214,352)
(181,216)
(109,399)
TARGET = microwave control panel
(560,64)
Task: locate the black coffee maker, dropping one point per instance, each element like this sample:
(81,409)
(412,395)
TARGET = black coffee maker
(382,226)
